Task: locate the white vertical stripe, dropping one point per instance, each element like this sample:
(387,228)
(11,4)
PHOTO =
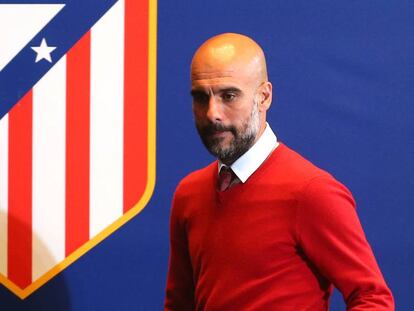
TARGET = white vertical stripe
(107,85)
(49,136)
(4,173)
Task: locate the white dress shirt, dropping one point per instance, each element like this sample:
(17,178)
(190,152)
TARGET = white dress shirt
(250,161)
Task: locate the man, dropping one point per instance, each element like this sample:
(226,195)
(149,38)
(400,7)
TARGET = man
(261,228)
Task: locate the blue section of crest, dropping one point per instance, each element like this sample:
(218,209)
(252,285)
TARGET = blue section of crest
(63,31)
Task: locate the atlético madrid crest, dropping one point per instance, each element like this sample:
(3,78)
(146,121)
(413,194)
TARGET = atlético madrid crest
(77,129)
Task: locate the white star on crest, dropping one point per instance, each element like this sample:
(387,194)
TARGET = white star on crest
(43,51)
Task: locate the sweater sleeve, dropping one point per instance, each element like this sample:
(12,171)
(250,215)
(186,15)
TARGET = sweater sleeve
(180,286)
(332,238)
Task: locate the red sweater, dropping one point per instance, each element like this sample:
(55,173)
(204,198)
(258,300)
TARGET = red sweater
(277,242)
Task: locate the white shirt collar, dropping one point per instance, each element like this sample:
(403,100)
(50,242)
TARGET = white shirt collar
(250,161)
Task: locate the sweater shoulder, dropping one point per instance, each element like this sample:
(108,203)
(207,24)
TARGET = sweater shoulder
(296,167)
(313,184)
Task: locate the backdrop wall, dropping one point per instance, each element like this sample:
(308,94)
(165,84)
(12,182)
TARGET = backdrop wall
(343,75)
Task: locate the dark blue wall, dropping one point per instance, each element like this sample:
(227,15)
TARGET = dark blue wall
(343,74)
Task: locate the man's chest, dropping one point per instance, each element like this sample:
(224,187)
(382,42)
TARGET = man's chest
(241,234)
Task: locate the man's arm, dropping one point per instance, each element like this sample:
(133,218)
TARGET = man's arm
(332,238)
(180,286)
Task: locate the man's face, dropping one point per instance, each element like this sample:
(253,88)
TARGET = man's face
(226,113)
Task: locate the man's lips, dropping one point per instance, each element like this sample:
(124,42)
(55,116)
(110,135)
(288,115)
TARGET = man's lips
(217,134)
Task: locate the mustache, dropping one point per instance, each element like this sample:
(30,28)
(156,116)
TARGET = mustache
(216,127)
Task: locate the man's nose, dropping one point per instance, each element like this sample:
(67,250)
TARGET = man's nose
(214,112)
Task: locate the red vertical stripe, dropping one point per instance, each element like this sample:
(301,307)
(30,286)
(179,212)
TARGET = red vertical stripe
(77,144)
(20,193)
(136,101)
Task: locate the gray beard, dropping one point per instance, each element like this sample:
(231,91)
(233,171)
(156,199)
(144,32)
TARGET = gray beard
(243,139)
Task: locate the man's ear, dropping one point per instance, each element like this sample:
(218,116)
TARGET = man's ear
(265,93)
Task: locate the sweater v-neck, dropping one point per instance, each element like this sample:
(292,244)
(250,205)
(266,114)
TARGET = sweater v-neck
(237,189)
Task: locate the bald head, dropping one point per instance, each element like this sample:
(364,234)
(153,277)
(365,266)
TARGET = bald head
(229,53)
(231,94)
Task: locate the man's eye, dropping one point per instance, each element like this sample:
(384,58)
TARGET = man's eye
(228,97)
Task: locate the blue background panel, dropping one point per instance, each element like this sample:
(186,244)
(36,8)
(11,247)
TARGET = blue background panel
(343,74)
